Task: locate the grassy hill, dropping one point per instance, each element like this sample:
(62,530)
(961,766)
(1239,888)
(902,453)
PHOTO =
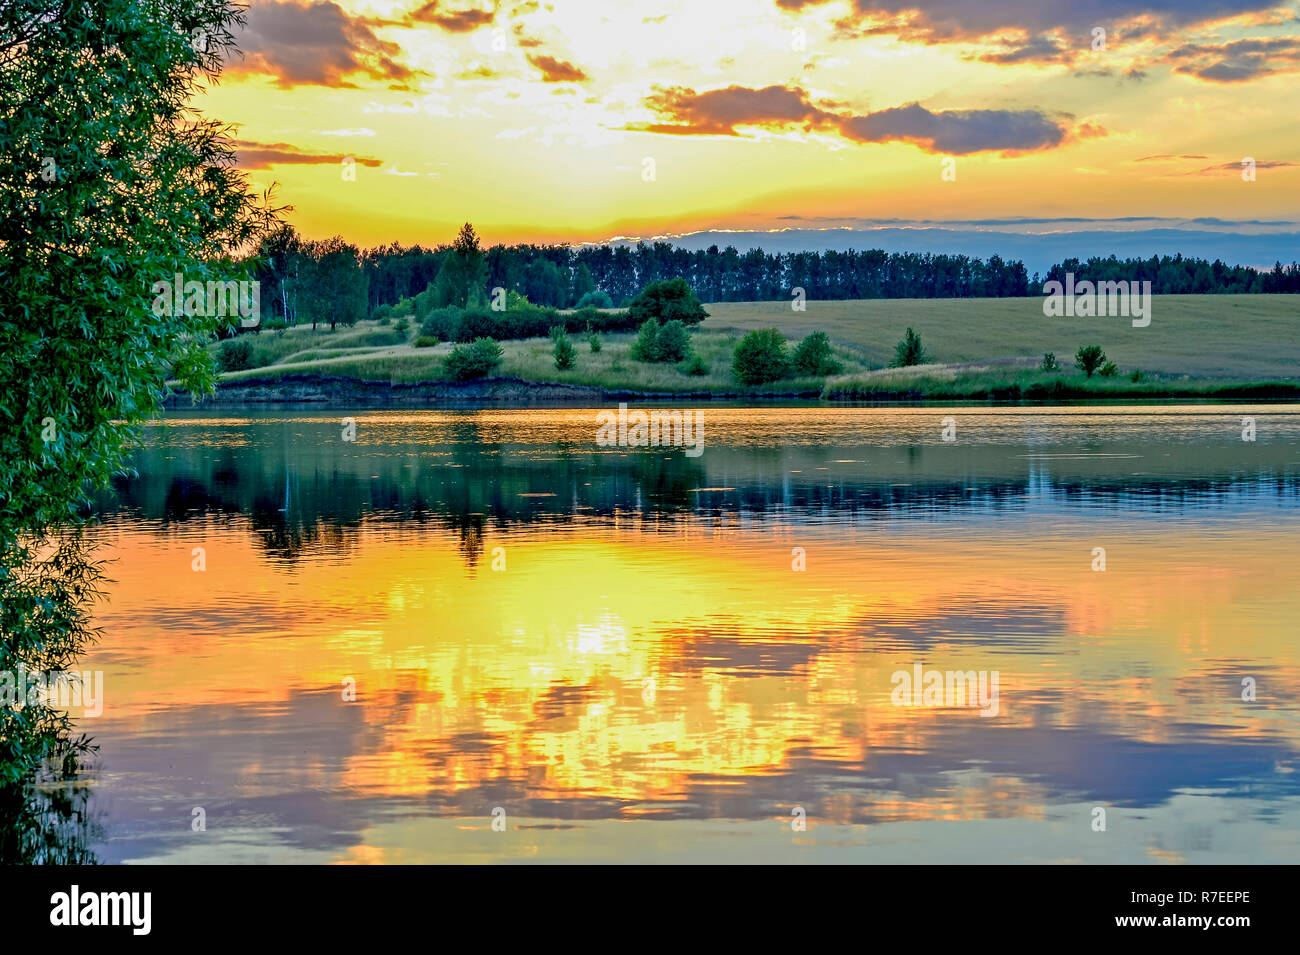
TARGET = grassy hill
(1230,337)
(1195,344)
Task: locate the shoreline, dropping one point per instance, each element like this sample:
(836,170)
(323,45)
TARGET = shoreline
(328,391)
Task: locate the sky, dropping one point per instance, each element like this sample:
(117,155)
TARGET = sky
(585,121)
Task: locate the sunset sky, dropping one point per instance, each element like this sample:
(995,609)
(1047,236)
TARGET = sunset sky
(584,120)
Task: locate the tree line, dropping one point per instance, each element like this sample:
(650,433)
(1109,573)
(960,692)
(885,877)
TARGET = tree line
(330,280)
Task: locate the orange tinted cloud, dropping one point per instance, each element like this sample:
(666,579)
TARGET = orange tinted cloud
(555,70)
(265,155)
(304,44)
(957,132)
(453,21)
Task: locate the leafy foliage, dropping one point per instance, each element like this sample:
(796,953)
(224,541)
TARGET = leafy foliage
(565,354)
(761,356)
(477,359)
(110,183)
(463,273)
(669,342)
(646,346)
(814,357)
(910,351)
(235,354)
(695,365)
(1089,358)
(668,300)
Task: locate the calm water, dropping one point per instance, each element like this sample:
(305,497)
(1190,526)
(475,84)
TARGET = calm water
(614,650)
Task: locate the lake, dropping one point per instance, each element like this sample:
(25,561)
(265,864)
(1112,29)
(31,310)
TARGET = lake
(480,636)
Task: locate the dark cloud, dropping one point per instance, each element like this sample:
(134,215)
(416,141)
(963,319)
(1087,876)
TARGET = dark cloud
(306,43)
(1040,49)
(719,112)
(254,155)
(1236,167)
(938,21)
(453,21)
(957,132)
(1237,61)
(556,70)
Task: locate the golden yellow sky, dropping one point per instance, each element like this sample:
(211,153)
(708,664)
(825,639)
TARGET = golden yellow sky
(541,121)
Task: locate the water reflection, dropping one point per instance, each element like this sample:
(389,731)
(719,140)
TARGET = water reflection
(49,581)
(596,640)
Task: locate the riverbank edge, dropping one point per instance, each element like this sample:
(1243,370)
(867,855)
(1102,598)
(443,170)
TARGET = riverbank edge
(328,390)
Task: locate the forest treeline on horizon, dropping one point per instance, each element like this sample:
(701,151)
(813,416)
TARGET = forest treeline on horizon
(358,281)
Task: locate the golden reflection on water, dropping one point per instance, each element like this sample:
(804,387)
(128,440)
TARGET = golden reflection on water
(619,669)
(553,658)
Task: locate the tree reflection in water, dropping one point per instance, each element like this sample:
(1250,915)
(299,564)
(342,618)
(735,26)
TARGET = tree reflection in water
(47,587)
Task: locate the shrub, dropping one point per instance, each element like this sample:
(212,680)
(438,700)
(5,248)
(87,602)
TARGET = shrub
(646,346)
(477,323)
(382,314)
(673,343)
(695,366)
(910,351)
(1108,370)
(598,321)
(595,299)
(235,354)
(474,360)
(565,353)
(594,341)
(425,341)
(1049,362)
(517,301)
(760,357)
(530,321)
(402,326)
(1137,376)
(441,323)
(403,307)
(275,324)
(667,300)
(814,356)
(1089,358)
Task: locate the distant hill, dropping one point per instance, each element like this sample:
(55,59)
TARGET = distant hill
(1038,252)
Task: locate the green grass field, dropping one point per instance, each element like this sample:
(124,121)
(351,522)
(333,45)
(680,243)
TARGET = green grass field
(1195,344)
(1228,337)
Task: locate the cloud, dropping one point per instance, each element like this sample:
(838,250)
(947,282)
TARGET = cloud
(313,43)
(718,112)
(940,21)
(254,155)
(453,21)
(957,132)
(1039,49)
(556,70)
(1236,167)
(1059,32)
(1237,61)
(721,112)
